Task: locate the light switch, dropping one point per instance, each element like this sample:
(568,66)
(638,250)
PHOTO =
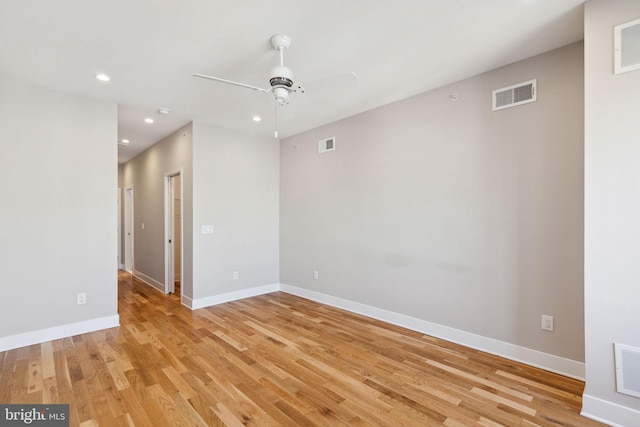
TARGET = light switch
(207,229)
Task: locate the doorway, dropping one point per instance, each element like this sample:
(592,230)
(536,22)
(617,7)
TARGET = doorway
(128,229)
(120,261)
(173,233)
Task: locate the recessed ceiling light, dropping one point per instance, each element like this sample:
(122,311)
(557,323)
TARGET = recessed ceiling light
(164,111)
(103,77)
(148,120)
(257,118)
(124,141)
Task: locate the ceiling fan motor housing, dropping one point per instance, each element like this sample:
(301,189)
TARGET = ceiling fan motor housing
(281,76)
(281,81)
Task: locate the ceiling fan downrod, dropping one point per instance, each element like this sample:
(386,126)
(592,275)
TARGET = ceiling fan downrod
(281,77)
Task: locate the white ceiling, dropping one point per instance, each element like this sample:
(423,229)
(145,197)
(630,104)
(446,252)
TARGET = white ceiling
(150,49)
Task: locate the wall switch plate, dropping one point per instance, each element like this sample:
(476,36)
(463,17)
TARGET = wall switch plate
(235,275)
(82,298)
(547,323)
(316,276)
(207,229)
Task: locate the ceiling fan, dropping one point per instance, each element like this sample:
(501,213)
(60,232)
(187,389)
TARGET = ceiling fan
(280,78)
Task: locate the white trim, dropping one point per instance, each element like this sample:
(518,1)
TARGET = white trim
(58,332)
(608,412)
(186,301)
(168,252)
(169,232)
(149,281)
(230,296)
(119,226)
(549,362)
(129,229)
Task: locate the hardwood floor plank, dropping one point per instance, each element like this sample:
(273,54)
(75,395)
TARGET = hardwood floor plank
(279,360)
(135,409)
(188,411)
(35,371)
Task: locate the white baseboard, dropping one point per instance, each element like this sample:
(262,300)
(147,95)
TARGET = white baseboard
(229,296)
(609,413)
(186,301)
(57,332)
(149,281)
(549,362)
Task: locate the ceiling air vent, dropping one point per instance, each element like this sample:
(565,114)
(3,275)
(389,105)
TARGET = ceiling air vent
(521,93)
(328,144)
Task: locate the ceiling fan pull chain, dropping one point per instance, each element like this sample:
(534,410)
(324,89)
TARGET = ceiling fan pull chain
(275,126)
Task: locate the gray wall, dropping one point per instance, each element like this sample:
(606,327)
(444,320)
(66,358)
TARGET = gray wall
(235,189)
(230,181)
(146,174)
(449,212)
(612,211)
(58,222)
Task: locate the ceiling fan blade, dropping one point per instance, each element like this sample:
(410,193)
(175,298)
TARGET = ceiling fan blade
(218,79)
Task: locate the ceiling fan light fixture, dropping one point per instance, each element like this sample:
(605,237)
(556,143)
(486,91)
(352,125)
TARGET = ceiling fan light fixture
(281,94)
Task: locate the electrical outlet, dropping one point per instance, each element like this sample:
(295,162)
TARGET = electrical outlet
(547,323)
(235,275)
(316,276)
(82,298)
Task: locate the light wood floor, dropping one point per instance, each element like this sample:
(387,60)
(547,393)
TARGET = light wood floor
(276,360)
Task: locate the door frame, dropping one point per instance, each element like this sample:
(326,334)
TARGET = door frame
(129,229)
(169,241)
(120,260)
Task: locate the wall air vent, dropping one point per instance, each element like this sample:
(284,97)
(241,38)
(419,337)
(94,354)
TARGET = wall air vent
(328,144)
(521,93)
(627,369)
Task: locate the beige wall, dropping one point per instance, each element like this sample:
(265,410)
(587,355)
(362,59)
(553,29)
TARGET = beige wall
(58,222)
(612,211)
(146,174)
(449,212)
